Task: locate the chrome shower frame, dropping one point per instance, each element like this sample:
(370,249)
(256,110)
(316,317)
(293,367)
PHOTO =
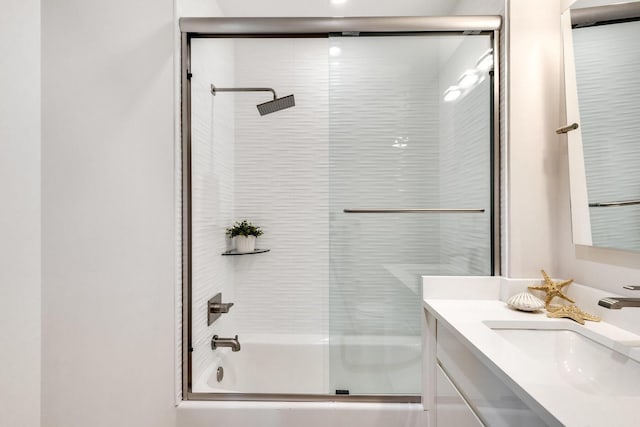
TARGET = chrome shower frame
(192,28)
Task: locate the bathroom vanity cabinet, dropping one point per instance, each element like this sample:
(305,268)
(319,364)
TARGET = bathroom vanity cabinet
(451,407)
(512,368)
(469,394)
(496,366)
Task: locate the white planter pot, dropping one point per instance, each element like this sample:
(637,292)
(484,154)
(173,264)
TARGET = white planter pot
(245,243)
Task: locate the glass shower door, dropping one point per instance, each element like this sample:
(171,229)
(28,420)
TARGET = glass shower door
(399,146)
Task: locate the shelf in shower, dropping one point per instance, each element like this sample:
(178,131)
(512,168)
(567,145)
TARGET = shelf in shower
(234,252)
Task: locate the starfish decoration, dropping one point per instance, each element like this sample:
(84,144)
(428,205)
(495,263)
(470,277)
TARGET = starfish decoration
(573,313)
(552,289)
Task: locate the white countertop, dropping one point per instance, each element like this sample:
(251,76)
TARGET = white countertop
(471,321)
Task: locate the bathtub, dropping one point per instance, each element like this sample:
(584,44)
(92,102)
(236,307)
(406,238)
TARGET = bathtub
(303,365)
(295,364)
(269,364)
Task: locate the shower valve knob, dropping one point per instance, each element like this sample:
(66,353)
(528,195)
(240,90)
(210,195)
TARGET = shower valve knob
(220,307)
(215,308)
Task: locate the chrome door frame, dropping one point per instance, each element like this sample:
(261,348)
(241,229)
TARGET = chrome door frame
(191,28)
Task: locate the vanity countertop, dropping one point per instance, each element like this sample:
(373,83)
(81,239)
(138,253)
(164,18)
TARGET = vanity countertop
(544,391)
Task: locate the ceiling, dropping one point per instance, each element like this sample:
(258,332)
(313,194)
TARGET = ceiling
(283,8)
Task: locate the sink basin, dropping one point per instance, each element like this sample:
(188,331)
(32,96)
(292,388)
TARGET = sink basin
(579,361)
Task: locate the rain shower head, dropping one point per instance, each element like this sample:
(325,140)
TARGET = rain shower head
(276,105)
(268,107)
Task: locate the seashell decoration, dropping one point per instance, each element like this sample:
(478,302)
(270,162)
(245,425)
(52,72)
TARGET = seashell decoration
(525,301)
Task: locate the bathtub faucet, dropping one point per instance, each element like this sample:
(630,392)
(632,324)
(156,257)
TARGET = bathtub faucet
(216,342)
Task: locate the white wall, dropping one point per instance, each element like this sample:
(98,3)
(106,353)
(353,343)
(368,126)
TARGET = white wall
(534,161)
(540,216)
(20,218)
(327,8)
(108,209)
(478,7)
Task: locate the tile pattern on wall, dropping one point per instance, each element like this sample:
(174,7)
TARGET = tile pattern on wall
(178,272)
(364,134)
(212,192)
(465,138)
(281,184)
(383,154)
(466,147)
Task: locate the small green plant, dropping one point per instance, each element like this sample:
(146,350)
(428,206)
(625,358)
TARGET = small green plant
(243,228)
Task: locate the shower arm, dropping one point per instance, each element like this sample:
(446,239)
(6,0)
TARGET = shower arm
(243,89)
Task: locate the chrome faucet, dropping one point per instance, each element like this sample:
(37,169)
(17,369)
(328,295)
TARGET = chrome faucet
(617,303)
(216,342)
(219,307)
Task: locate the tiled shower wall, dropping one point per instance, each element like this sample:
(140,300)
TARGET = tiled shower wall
(270,170)
(380,101)
(465,140)
(281,184)
(384,154)
(212,190)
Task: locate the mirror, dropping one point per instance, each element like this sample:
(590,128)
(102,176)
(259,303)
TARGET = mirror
(602,83)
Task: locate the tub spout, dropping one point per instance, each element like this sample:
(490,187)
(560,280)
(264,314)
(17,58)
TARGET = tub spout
(216,342)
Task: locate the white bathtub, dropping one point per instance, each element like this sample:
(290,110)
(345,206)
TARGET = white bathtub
(269,364)
(310,365)
(294,364)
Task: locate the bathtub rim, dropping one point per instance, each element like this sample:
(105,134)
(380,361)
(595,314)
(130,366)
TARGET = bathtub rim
(200,384)
(283,397)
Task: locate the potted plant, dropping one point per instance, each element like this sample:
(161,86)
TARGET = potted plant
(245,234)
